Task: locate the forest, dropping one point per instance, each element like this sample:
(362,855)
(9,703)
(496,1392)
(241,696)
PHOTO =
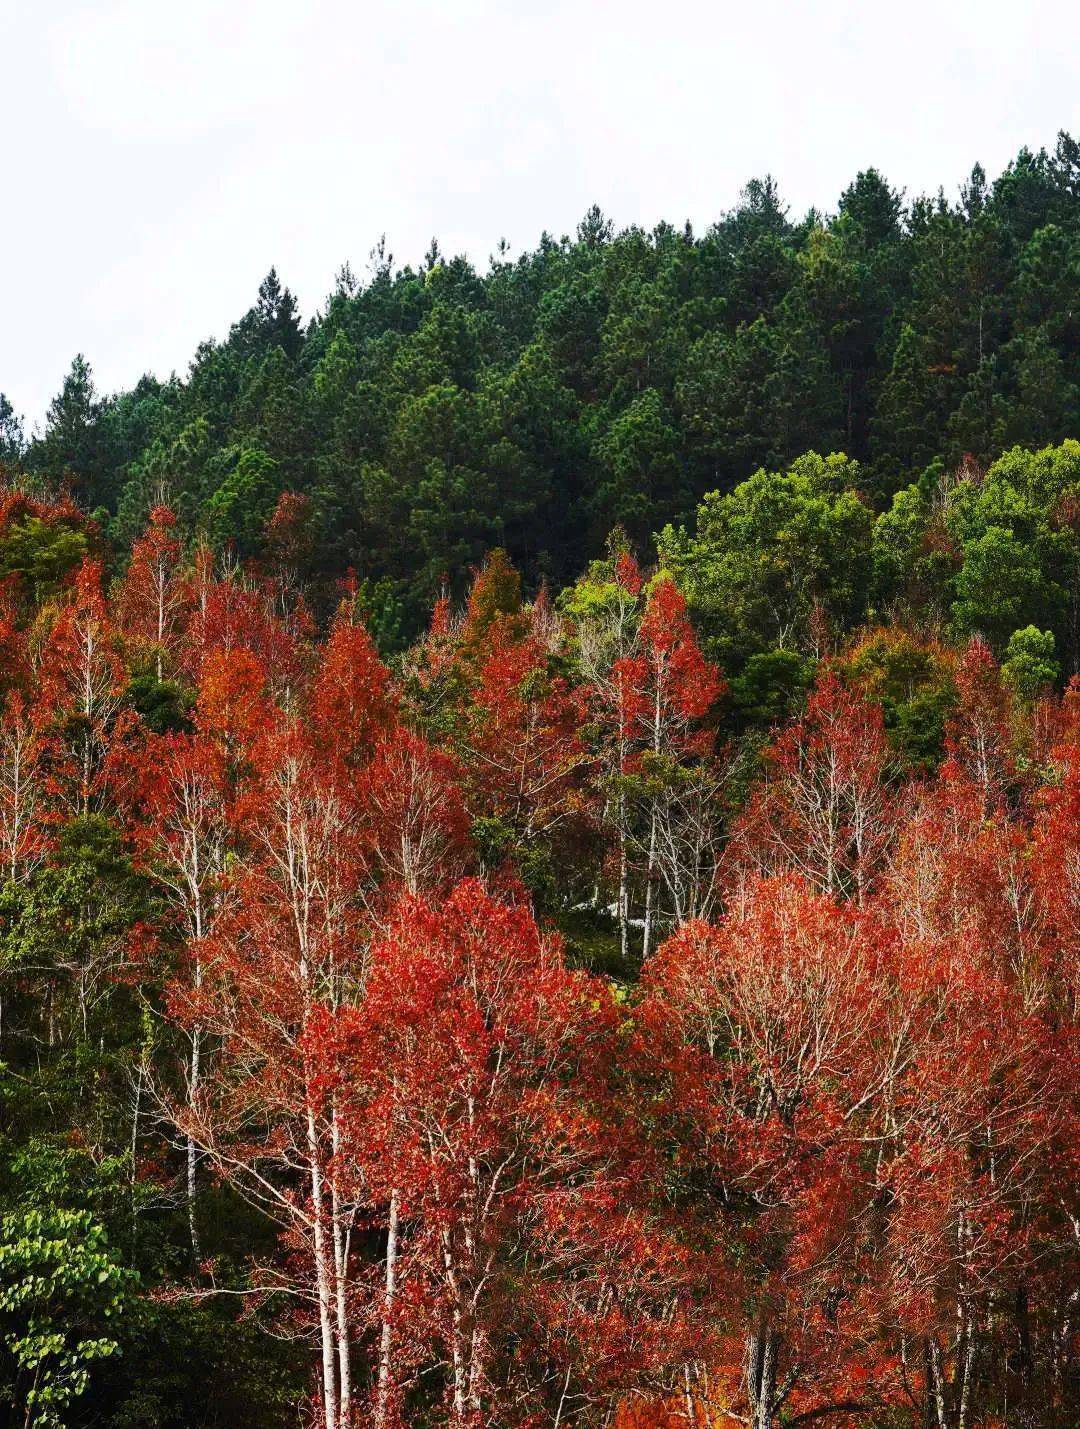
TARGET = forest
(540,841)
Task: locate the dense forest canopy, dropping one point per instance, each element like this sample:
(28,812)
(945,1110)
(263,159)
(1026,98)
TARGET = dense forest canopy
(609,379)
(540,842)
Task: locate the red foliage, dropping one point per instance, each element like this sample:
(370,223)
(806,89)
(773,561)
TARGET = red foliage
(81,685)
(825,808)
(152,600)
(232,703)
(524,749)
(289,536)
(820,1165)
(769,1021)
(415,825)
(476,1107)
(351,699)
(239,613)
(979,738)
(669,684)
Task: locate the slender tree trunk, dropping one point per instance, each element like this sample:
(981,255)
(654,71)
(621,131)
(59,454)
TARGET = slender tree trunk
(386,1338)
(194,1075)
(341,1285)
(624,872)
(136,1109)
(323,1280)
(761,1377)
(935,1385)
(967,1377)
(194,1082)
(1023,1330)
(688,1397)
(650,867)
(767,1398)
(624,890)
(650,885)
(458,1336)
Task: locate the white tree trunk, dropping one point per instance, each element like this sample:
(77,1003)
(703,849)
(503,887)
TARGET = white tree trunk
(323,1279)
(386,1338)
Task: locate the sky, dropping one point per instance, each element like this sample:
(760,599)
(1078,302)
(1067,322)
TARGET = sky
(159,156)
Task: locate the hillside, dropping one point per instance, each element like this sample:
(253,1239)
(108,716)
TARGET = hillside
(540,842)
(608,379)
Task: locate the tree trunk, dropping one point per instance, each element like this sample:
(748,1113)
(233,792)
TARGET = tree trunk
(624,891)
(967,1377)
(322,1279)
(135,1110)
(386,1338)
(341,1284)
(935,1386)
(761,1377)
(650,884)
(194,1074)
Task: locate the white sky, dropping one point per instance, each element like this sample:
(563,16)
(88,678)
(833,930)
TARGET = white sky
(157,156)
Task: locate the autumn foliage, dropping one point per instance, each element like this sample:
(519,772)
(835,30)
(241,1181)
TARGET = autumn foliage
(798,1146)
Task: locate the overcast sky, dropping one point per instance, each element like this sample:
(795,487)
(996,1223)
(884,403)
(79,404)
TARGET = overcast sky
(158,156)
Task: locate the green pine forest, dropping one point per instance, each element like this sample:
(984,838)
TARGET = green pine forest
(613,379)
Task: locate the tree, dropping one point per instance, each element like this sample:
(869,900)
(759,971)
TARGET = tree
(178,800)
(239,509)
(416,825)
(23,839)
(979,736)
(71,445)
(292,941)
(12,440)
(522,746)
(605,608)
(641,482)
(983,1119)
(476,1115)
(824,808)
(1029,666)
(61,1290)
(81,689)
(772,552)
(670,688)
(152,598)
(771,1015)
(352,702)
(273,322)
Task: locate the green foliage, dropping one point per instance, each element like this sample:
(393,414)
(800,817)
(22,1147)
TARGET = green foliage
(61,1290)
(384,615)
(914,683)
(592,940)
(1000,582)
(43,554)
(12,437)
(772,685)
(432,412)
(187,1362)
(1030,665)
(239,509)
(664,381)
(778,548)
(640,477)
(164,705)
(1019,546)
